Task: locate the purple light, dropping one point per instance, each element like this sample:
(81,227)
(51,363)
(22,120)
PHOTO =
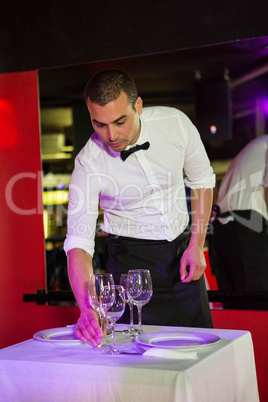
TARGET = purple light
(264,105)
(60,186)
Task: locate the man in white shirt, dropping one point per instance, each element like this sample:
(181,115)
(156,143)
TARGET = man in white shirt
(240,241)
(144,203)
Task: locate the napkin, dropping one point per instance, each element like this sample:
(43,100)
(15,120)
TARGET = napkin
(171,353)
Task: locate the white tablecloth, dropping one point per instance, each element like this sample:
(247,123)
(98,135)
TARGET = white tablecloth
(45,371)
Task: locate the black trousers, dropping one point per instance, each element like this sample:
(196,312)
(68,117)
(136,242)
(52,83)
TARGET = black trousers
(173,303)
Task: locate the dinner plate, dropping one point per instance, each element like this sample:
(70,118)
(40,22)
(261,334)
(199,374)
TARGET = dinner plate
(58,335)
(177,340)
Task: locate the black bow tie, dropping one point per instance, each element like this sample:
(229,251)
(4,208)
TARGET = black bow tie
(125,154)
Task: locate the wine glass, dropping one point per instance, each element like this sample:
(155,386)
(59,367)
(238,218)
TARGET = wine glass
(96,283)
(113,302)
(123,282)
(139,290)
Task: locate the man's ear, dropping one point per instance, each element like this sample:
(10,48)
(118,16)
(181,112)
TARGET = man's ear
(138,105)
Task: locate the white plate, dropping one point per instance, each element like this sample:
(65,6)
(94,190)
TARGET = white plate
(59,335)
(177,340)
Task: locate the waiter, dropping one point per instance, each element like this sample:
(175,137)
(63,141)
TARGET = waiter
(239,249)
(135,166)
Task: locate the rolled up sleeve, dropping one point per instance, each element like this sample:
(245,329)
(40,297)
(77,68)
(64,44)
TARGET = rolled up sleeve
(82,209)
(197,168)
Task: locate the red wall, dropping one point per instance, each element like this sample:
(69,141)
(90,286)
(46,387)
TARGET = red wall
(22,266)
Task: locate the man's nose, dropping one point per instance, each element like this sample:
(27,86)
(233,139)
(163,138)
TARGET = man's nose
(111,134)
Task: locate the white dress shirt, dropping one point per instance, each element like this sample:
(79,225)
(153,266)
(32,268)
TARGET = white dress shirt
(144,196)
(243,185)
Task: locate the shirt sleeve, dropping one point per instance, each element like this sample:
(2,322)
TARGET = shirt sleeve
(197,168)
(83,208)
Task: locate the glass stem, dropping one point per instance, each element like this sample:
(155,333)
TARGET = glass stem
(113,334)
(131,326)
(140,331)
(102,328)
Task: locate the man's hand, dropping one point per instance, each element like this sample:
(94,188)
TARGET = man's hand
(193,264)
(88,328)
(79,269)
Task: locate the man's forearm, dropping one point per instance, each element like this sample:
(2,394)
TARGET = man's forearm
(201,204)
(266,196)
(79,270)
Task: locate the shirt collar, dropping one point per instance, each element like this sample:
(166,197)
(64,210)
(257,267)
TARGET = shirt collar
(143,137)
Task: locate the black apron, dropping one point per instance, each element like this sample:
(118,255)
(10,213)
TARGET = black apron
(173,303)
(239,252)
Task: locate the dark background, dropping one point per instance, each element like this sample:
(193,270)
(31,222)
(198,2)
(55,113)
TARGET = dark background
(171,48)
(37,34)
(166,45)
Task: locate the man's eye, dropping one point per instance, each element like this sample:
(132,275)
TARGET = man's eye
(120,123)
(99,125)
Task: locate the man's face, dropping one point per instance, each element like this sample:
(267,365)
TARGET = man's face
(116,123)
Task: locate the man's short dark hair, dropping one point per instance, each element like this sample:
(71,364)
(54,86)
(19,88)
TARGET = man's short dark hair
(107,85)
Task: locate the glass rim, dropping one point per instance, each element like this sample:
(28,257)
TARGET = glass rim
(139,270)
